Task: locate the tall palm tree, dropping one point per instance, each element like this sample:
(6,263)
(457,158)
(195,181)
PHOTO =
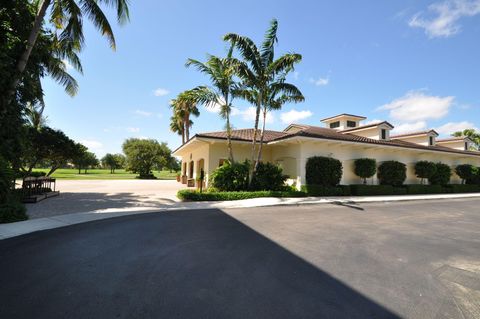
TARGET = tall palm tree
(67,16)
(221,72)
(177,126)
(186,106)
(263,77)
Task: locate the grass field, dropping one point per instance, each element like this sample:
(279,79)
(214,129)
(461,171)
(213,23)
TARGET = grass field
(69,173)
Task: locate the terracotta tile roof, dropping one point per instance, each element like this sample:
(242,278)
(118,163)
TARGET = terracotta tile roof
(329,134)
(245,135)
(361,127)
(413,134)
(452,139)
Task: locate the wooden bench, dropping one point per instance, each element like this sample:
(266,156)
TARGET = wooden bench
(35,189)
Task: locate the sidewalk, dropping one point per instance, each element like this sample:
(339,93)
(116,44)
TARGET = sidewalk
(29,226)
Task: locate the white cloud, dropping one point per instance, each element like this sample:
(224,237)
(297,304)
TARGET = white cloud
(451,127)
(371,122)
(417,106)
(92,144)
(444,17)
(249,114)
(161,92)
(133,129)
(409,127)
(143,113)
(296,74)
(320,81)
(68,66)
(294,116)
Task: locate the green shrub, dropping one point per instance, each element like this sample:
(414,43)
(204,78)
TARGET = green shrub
(268,176)
(462,188)
(320,190)
(365,168)
(425,170)
(475,179)
(465,172)
(7,178)
(423,189)
(392,173)
(12,211)
(324,171)
(370,190)
(231,176)
(189,195)
(442,174)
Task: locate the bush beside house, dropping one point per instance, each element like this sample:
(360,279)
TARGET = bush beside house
(425,170)
(392,173)
(365,168)
(442,174)
(325,171)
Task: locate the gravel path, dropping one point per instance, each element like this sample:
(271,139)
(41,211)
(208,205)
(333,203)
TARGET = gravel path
(81,196)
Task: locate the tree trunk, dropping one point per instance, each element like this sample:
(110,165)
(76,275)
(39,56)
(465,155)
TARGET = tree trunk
(183,136)
(187,128)
(259,158)
(32,38)
(79,170)
(52,170)
(229,139)
(254,139)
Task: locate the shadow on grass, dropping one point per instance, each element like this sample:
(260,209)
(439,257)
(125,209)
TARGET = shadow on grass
(184,264)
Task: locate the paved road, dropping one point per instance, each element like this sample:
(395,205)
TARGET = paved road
(408,259)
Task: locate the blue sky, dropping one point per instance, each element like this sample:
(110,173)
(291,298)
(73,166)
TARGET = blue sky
(413,63)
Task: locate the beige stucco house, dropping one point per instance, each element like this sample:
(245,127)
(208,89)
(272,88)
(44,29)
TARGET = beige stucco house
(342,137)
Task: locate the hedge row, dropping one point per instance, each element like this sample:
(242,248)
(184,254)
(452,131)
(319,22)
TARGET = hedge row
(341,190)
(189,195)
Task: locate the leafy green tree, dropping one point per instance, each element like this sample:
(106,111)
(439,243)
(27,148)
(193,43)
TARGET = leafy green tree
(392,173)
(176,123)
(465,172)
(119,160)
(425,170)
(263,78)
(221,72)
(442,174)
(365,168)
(142,156)
(472,134)
(109,161)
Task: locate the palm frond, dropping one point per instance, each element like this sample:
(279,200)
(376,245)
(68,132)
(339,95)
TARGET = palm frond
(56,69)
(268,44)
(99,20)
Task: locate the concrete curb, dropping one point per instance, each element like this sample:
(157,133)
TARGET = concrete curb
(38,224)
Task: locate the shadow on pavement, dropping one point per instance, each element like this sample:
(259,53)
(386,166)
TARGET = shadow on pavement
(349,204)
(68,203)
(184,264)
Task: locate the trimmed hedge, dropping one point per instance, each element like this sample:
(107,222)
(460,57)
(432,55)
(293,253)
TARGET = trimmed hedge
(189,195)
(371,190)
(392,173)
(324,171)
(320,190)
(424,189)
(465,172)
(462,188)
(365,168)
(425,170)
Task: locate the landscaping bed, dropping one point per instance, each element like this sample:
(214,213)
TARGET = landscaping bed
(341,190)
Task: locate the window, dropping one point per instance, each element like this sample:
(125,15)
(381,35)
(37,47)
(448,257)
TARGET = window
(335,124)
(466,146)
(384,134)
(351,124)
(430,140)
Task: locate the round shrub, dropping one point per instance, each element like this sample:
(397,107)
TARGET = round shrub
(465,172)
(442,175)
(475,179)
(365,168)
(324,171)
(231,177)
(12,211)
(392,173)
(268,177)
(425,170)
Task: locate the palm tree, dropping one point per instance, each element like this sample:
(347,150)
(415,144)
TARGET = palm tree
(263,77)
(35,117)
(470,133)
(221,72)
(176,125)
(186,106)
(66,16)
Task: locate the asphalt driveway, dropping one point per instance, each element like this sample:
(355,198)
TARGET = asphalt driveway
(388,260)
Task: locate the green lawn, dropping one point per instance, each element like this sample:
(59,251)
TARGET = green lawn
(69,173)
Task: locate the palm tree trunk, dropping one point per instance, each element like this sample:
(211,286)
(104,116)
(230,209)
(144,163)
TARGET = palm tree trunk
(229,139)
(255,129)
(259,158)
(32,38)
(183,136)
(187,128)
